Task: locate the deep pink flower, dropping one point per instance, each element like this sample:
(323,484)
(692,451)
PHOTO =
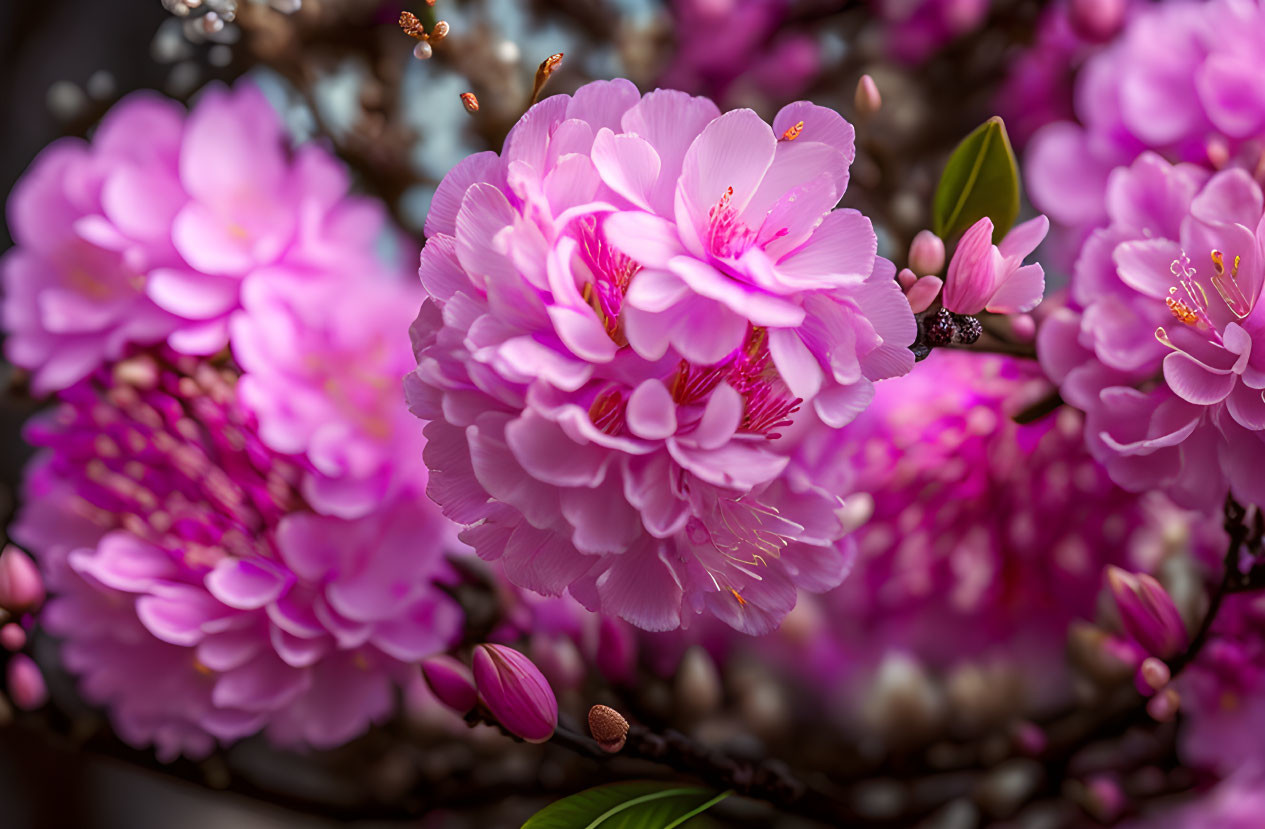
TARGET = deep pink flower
(915,29)
(1158,344)
(516,693)
(146,234)
(983,276)
(629,306)
(198,597)
(980,540)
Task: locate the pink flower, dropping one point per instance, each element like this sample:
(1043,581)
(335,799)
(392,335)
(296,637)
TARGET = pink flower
(321,363)
(1169,292)
(983,276)
(516,693)
(915,29)
(979,540)
(146,235)
(1181,79)
(197,596)
(628,307)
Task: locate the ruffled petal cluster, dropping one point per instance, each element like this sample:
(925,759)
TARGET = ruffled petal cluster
(629,305)
(147,234)
(239,542)
(1183,79)
(1159,342)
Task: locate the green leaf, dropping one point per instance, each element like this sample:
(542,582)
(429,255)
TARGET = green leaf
(639,804)
(981,179)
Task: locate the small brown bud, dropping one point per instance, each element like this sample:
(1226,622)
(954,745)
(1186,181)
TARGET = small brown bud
(439,31)
(412,26)
(470,102)
(547,68)
(608,727)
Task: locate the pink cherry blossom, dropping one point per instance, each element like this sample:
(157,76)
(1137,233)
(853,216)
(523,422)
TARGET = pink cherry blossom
(987,277)
(628,307)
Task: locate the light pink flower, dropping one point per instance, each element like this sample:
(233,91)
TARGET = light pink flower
(146,234)
(628,306)
(987,277)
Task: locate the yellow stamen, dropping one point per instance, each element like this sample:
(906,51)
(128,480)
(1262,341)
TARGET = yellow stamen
(793,132)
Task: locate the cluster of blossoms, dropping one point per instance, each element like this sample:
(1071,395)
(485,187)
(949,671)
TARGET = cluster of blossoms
(915,29)
(235,538)
(1182,79)
(630,306)
(1156,345)
(734,50)
(984,539)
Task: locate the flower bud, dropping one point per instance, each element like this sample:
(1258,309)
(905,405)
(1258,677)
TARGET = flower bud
(1153,674)
(21,586)
(470,102)
(926,253)
(26,683)
(1104,798)
(450,682)
(1163,706)
(906,278)
(1023,327)
(923,293)
(1147,612)
(868,100)
(12,637)
(608,727)
(439,31)
(1096,20)
(558,659)
(422,50)
(516,693)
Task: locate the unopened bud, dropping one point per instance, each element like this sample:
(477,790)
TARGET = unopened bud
(698,688)
(21,585)
(1096,20)
(1147,612)
(923,293)
(515,692)
(616,653)
(1218,152)
(12,637)
(547,67)
(450,682)
(26,683)
(926,253)
(1153,674)
(411,26)
(1023,327)
(868,100)
(608,727)
(422,50)
(1029,738)
(439,31)
(1163,706)
(1104,798)
(558,659)
(470,102)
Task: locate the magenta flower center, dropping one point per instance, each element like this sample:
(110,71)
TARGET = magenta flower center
(172,460)
(727,236)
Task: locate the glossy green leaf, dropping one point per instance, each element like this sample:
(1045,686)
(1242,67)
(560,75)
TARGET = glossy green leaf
(640,804)
(981,179)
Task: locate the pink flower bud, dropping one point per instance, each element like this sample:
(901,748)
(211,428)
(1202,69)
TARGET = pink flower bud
(1104,798)
(21,586)
(516,692)
(1029,738)
(558,659)
(923,293)
(926,253)
(868,100)
(26,683)
(1147,612)
(1023,327)
(1153,674)
(1163,706)
(12,637)
(1096,20)
(450,682)
(616,655)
